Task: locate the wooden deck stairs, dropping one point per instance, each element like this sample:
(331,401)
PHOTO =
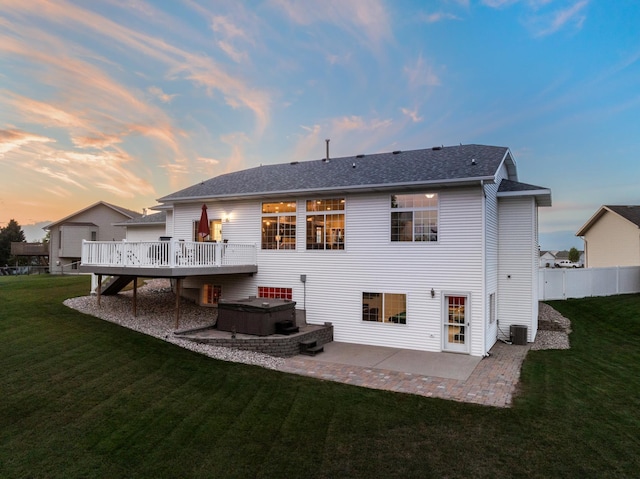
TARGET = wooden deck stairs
(115,284)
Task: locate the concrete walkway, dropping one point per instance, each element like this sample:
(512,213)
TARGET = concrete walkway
(491,381)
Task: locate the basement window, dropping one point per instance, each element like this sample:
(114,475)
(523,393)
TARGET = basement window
(275,293)
(384,307)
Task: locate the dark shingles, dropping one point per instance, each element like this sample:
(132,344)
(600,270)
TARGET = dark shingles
(385,169)
(514,186)
(158,218)
(629,212)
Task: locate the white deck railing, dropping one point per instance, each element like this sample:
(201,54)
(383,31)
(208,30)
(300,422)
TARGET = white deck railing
(166,254)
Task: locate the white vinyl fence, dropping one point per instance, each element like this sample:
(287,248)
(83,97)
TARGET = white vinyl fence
(562,283)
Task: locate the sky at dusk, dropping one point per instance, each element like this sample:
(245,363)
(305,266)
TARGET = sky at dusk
(127,101)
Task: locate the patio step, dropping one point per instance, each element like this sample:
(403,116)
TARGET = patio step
(286,327)
(310,347)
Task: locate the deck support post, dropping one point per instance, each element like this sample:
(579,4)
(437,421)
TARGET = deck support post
(99,288)
(178,293)
(135,296)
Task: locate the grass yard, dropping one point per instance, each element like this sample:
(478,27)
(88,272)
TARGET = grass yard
(80,397)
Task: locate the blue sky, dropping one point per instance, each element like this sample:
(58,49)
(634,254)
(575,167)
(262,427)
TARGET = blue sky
(127,101)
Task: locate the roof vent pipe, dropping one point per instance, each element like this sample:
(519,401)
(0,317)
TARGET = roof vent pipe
(327,157)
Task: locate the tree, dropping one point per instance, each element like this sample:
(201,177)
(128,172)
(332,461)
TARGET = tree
(10,233)
(574,255)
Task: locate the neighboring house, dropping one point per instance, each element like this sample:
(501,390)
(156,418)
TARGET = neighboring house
(547,259)
(93,223)
(145,227)
(432,249)
(612,237)
(550,259)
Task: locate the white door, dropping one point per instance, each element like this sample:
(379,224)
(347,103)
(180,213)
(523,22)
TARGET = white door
(456,325)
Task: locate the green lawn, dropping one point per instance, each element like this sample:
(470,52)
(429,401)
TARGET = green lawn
(80,397)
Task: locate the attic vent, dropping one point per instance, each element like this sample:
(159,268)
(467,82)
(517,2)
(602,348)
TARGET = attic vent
(397,152)
(360,156)
(294,162)
(436,148)
(473,161)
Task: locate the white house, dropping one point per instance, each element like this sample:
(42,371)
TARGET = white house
(145,227)
(432,249)
(96,222)
(547,259)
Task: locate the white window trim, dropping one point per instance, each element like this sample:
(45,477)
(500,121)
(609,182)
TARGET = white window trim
(342,212)
(406,306)
(444,312)
(396,210)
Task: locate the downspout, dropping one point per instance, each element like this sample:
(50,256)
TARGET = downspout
(484,270)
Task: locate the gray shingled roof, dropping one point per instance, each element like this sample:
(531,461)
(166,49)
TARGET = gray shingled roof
(124,211)
(433,166)
(512,186)
(156,218)
(629,212)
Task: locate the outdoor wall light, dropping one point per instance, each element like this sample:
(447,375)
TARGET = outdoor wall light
(433,293)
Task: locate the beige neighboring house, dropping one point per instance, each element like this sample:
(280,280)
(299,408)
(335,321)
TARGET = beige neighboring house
(97,222)
(612,237)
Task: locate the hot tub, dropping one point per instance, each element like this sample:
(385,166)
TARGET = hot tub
(256,316)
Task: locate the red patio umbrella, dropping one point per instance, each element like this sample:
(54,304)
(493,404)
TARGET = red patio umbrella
(203,226)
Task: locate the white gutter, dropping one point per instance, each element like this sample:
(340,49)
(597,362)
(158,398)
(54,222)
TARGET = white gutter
(327,190)
(484,269)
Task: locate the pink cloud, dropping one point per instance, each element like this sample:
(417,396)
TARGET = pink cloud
(368,21)
(421,74)
(15,139)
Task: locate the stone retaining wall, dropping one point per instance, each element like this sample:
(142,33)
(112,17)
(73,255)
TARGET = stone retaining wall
(550,325)
(279,346)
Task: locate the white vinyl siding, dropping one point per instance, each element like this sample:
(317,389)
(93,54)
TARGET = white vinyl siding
(492,257)
(145,232)
(518,266)
(168,227)
(370,262)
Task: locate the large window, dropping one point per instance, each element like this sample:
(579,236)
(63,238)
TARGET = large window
(279,225)
(414,217)
(384,307)
(325,224)
(215,231)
